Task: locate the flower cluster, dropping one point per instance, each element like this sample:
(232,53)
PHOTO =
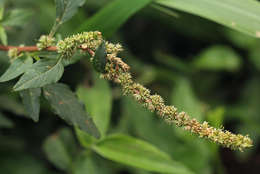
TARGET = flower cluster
(85,40)
(118,71)
(45,42)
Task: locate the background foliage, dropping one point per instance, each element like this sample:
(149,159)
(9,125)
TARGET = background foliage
(201,67)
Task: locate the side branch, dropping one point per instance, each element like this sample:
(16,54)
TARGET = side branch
(26,48)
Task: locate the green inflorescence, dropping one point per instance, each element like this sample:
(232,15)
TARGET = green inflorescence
(117,71)
(45,42)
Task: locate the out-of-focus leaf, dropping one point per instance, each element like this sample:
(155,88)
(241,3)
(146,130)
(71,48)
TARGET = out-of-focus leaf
(11,104)
(218,58)
(241,40)
(85,139)
(23,163)
(183,148)
(41,73)
(100,110)
(85,163)
(172,61)
(3,35)
(165,10)
(254,56)
(18,67)
(5,122)
(111,17)
(137,153)
(100,58)
(66,105)
(184,99)
(31,102)
(65,10)
(216,117)
(57,152)
(240,15)
(17,18)
(2,9)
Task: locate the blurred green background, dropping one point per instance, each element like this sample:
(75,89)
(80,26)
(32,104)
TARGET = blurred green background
(201,67)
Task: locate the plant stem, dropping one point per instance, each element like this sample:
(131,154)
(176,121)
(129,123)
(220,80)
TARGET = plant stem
(26,48)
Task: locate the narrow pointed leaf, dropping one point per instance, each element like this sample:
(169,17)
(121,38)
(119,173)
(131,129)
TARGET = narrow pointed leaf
(18,67)
(66,105)
(114,15)
(41,73)
(240,15)
(31,101)
(100,58)
(138,153)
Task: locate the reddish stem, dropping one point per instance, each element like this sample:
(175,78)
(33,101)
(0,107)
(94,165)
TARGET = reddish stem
(26,48)
(35,48)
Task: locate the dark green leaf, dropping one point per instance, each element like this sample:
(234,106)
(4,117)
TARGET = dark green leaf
(111,17)
(137,153)
(218,58)
(65,10)
(41,73)
(18,67)
(67,106)
(31,101)
(100,58)
(100,110)
(240,15)
(5,122)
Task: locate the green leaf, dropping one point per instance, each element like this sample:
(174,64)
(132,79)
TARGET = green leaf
(5,122)
(100,58)
(184,99)
(240,15)
(111,17)
(184,148)
(84,138)
(67,106)
(41,73)
(216,116)
(3,35)
(85,163)
(18,67)
(100,110)
(11,104)
(57,151)
(31,101)
(65,10)
(2,9)
(218,58)
(17,18)
(137,153)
